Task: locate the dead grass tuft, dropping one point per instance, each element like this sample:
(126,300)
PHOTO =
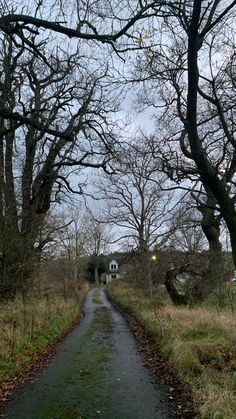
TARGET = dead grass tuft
(200,344)
(26,329)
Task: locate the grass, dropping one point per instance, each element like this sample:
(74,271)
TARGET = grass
(85,374)
(96,296)
(224,297)
(199,343)
(27,329)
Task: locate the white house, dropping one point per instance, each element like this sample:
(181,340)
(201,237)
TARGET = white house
(113,271)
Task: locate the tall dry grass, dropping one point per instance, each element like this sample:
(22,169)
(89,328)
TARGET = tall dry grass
(199,343)
(27,328)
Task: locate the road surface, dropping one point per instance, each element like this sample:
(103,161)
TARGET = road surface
(96,373)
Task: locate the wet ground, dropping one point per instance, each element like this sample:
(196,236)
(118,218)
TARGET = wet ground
(96,373)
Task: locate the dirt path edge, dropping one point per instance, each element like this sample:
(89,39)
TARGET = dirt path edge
(180,393)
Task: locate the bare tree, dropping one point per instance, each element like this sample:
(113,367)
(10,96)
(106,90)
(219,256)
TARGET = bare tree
(71,241)
(97,240)
(68,108)
(104,21)
(207,222)
(187,233)
(135,202)
(198,100)
(133,196)
(185,177)
(195,86)
(185,278)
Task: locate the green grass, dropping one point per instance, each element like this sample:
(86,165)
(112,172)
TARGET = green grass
(85,374)
(27,329)
(199,343)
(223,297)
(96,296)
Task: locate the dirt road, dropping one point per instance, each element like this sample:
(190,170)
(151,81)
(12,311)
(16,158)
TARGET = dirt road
(97,373)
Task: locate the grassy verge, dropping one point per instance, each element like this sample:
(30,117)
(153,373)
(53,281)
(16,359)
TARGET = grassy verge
(199,343)
(27,329)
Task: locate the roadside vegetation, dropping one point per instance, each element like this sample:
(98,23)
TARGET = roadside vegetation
(199,343)
(28,327)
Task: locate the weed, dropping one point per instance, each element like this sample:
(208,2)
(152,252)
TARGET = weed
(26,329)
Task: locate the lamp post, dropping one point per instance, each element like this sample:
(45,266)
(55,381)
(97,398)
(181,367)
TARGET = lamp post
(151,259)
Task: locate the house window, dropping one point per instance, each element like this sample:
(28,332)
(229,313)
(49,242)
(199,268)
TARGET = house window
(113,276)
(113,266)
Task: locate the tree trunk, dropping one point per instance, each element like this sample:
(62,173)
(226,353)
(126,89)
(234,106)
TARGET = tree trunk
(76,270)
(149,273)
(65,286)
(175,295)
(16,272)
(213,277)
(208,172)
(210,224)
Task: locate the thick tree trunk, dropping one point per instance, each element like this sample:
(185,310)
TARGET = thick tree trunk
(208,172)
(175,295)
(203,284)
(207,281)
(16,275)
(211,228)
(1,194)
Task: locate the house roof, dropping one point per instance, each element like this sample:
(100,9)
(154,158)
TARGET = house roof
(113,260)
(120,258)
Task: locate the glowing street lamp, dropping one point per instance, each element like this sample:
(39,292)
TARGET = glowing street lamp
(151,259)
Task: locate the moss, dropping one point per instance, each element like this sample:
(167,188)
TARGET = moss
(96,297)
(83,379)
